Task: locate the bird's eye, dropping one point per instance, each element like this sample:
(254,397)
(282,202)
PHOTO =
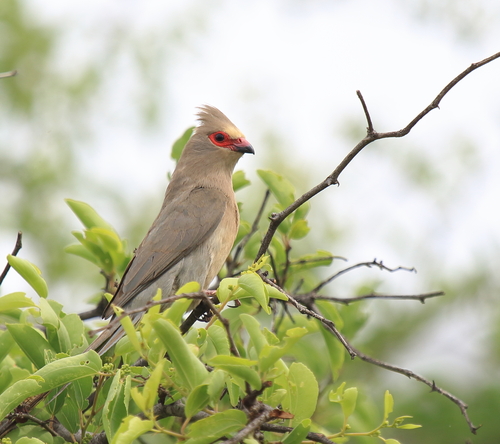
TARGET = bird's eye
(220,138)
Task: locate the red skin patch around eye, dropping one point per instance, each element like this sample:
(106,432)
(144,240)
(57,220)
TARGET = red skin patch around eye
(232,144)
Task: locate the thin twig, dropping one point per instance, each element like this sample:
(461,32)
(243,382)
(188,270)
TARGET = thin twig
(276,428)
(369,129)
(17,247)
(354,352)
(373,263)
(346,301)
(252,426)
(330,325)
(255,226)
(316,259)
(393,368)
(225,323)
(277,218)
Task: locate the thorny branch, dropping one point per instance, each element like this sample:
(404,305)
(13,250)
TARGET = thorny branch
(434,388)
(373,263)
(346,301)
(330,325)
(354,352)
(277,218)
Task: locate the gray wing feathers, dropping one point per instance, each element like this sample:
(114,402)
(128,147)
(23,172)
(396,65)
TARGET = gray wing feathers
(180,228)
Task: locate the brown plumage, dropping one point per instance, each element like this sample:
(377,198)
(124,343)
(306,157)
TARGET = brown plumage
(193,234)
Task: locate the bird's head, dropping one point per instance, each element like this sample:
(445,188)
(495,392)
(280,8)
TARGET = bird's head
(216,131)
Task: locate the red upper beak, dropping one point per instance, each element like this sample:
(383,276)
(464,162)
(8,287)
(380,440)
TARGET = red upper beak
(242,145)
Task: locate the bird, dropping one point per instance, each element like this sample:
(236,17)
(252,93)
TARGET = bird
(195,229)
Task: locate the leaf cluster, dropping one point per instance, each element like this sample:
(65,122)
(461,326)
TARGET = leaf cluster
(252,362)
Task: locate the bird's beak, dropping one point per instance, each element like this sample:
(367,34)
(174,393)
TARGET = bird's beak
(242,145)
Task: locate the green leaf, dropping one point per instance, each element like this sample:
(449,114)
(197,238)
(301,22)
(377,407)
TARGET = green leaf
(239,180)
(180,143)
(129,328)
(48,315)
(81,251)
(150,391)
(336,351)
(80,390)
(197,400)
(270,354)
(15,300)
(321,258)
(253,284)
(218,425)
(238,367)
(299,433)
(280,187)
(337,395)
(31,342)
(30,273)
(219,340)
(302,394)
(69,415)
(302,211)
(26,440)
(87,215)
(190,369)
(253,328)
(75,330)
(227,289)
(299,229)
(274,293)
(348,402)
(6,343)
(131,428)
(408,426)
(115,407)
(216,385)
(388,404)
(54,374)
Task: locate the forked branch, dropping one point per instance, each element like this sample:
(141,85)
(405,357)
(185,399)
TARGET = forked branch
(371,136)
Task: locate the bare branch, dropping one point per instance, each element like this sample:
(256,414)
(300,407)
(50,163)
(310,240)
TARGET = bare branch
(315,437)
(330,325)
(252,426)
(461,405)
(277,218)
(17,247)
(354,352)
(346,301)
(373,263)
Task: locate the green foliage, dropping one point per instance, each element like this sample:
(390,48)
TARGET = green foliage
(263,366)
(209,374)
(180,143)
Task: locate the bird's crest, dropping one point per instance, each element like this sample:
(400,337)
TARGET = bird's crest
(211,119)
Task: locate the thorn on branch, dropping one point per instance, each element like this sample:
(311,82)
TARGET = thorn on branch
(369,130)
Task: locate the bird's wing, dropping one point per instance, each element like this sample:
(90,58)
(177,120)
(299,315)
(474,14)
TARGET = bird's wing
(186,224)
